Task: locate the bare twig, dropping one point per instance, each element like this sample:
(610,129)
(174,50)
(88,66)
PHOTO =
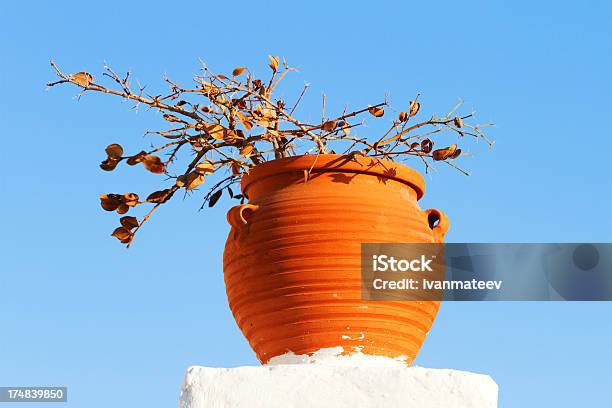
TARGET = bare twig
(232,123)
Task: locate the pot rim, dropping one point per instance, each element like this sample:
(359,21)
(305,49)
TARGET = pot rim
(337,162)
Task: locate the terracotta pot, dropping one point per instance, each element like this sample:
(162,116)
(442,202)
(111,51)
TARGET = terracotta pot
(292,258)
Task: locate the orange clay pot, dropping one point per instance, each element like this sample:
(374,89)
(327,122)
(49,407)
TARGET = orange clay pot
(292,258)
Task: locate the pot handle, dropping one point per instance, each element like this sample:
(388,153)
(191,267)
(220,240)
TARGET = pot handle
(440,228)
(235,216)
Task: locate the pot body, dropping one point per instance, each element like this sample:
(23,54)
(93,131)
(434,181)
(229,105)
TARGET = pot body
(292,262)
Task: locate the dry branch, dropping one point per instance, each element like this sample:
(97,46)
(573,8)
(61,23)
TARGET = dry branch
(232,123)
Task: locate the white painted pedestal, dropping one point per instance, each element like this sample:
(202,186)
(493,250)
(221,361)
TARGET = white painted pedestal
(316,384)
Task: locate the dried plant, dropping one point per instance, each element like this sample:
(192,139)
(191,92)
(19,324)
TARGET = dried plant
(234,122)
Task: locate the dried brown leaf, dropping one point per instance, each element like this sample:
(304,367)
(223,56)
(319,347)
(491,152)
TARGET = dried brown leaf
(171,118)
(122,209)
(114,151)
(193,180)
(130,199)
(109,202)
(414,108)
(274,62)
(329,126)
(214,198)
(83,79)
(455,155)
(153,164)
(180,180)
(376,111)
(443,154)
(238,71)
(345,127)
(137,158)
(128,222)
(216,131)
(205,167)
(109,164)
(247,150)
(159,197)
(122,234)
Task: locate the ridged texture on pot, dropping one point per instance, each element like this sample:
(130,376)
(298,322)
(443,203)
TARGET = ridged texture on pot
(292,258)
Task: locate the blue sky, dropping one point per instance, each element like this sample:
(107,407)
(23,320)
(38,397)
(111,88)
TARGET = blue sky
(119,327)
